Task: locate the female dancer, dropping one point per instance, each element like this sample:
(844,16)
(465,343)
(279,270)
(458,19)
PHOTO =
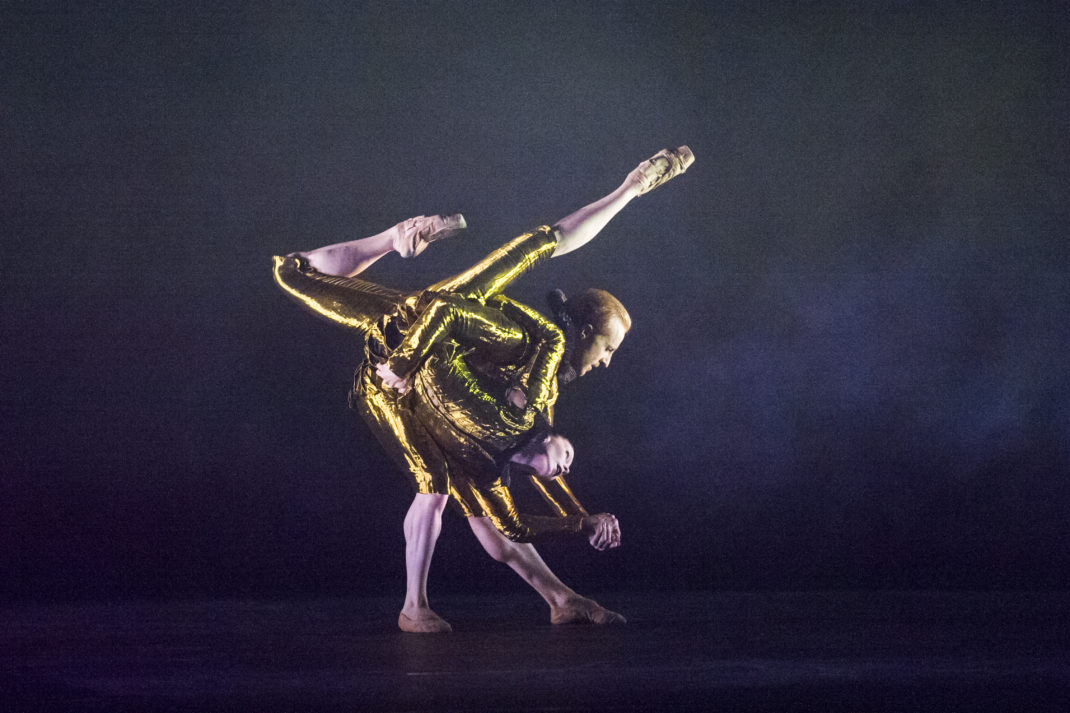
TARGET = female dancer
(483,370)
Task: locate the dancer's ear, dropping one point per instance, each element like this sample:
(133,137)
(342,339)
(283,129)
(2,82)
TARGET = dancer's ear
(586,331)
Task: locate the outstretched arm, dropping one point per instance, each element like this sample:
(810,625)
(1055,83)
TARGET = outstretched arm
(501,331)
(603,530)
(449,317)
(496,503)
(541,388)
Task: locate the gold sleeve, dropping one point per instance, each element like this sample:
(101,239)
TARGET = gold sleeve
(550,349)
(496,502)
(350,301)
(559,496)
(464,321)
(491,275)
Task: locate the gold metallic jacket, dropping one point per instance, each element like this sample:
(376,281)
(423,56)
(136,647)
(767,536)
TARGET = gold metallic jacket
(463,344)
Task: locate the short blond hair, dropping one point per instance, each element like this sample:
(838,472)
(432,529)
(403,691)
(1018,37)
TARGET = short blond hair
(591,306)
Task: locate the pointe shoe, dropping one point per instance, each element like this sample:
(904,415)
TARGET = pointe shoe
(427,622)
(412,236)
(660,168)
(584,611)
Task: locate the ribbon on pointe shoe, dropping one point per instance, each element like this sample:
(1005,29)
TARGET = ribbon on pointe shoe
(661,168)
(412,236)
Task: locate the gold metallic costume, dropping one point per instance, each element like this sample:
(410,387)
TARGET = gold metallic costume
(463,344)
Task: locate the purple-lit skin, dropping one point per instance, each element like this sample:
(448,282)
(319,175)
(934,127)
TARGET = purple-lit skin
(552,459)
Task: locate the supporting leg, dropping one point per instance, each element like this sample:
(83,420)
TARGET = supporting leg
(423,523)
(566,606)
(523,559)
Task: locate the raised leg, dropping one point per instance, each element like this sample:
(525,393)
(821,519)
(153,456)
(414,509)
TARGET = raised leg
(351,257)
(579,228)
(409,238)
(566,606)
(423,523)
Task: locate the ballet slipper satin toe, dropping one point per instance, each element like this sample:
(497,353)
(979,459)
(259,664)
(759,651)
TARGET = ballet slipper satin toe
(584,611)
(412,236)
(427,622)
(661,168)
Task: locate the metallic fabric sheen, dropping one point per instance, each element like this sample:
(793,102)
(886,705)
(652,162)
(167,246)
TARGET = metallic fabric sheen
(463,344)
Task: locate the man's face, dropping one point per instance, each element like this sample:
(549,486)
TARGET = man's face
(596,349)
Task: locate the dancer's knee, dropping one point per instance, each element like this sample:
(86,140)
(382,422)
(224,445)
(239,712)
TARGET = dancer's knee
(428,503)
(426,508)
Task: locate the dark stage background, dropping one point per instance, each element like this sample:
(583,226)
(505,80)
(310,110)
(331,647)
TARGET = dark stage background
(848,366)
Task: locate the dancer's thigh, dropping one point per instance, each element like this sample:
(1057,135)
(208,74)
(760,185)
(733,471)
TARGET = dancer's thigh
(404,438)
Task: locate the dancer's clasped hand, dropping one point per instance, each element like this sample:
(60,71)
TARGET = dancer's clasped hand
(516,397)
(392,380)
(603,531)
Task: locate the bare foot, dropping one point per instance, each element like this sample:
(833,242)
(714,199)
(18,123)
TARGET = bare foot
(423,621)
(582,610)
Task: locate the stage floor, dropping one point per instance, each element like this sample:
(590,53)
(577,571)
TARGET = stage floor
(821,652)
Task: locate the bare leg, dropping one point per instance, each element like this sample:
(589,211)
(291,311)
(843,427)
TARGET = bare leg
(566,606)
(423,523)
(523,559)
(408,238)
(351,257)
(579,228)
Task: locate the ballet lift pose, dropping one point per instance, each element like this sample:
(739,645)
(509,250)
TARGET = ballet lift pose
(458,385)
